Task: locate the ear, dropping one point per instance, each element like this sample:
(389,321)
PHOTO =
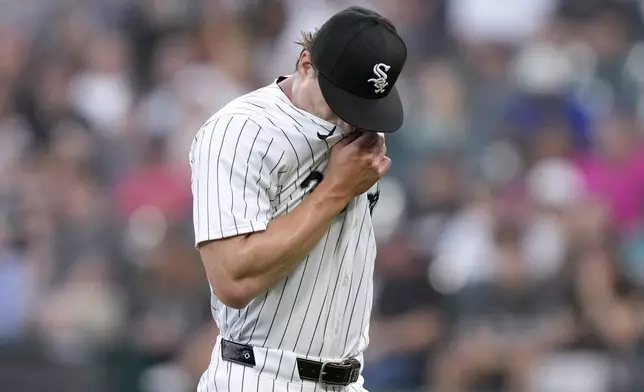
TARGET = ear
(305,64)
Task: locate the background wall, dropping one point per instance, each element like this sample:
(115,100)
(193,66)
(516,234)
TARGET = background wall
(510,226)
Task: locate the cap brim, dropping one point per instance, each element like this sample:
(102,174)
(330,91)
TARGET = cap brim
(378,115)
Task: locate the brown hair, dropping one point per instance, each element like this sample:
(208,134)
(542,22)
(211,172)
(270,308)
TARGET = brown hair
(306,41)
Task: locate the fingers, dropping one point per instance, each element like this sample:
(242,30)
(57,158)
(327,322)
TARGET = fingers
(376,152)
(345,141)
(369,148)
(380,149)
(367,140)
(384,165)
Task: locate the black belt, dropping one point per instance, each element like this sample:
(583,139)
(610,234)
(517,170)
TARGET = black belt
(328,373)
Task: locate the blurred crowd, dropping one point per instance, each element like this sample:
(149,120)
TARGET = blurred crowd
(510,228)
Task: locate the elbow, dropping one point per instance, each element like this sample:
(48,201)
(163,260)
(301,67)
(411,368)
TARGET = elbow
(231,282)
(235,294)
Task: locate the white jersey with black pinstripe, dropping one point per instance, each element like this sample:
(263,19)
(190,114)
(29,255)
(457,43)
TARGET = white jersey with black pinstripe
(257,159)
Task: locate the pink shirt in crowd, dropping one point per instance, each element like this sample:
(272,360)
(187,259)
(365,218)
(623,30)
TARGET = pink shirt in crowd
(621,186)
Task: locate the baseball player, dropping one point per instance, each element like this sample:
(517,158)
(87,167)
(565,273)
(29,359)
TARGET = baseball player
(284,181)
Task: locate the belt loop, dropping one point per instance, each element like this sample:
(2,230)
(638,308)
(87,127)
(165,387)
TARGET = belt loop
(239,353)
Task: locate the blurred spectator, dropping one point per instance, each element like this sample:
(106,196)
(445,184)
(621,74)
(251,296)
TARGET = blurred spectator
(81,223)
(437,123)
(503,327)
(170,303)
(15,288)
(102,92)
(155,182)
(599,354)
(463,251)
(615,171)
(490,21)
(406,307)
(492,91)
(554,186)
(84,312)
(13,52)
(608,32)
(436,199)
(163,111)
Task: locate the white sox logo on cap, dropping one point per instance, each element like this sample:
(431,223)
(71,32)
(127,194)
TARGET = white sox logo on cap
(381,81)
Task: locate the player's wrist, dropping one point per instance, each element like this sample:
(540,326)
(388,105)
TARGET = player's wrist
(331,194)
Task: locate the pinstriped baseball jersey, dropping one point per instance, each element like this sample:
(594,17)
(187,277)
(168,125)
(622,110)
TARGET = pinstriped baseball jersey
(253,161)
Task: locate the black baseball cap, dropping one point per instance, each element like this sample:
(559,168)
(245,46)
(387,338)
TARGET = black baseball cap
(359,55)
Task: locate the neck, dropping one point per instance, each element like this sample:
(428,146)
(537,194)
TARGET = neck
(298,97)
(287,86)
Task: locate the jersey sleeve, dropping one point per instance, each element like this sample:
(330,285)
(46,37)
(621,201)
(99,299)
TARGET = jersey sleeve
(234,165)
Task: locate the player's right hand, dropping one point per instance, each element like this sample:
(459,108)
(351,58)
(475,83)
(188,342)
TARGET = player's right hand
(357,162)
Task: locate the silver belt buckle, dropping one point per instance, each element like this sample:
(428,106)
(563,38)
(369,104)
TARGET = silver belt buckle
(322,372)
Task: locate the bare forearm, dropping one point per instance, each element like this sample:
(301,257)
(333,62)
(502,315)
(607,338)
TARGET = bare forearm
(254,263)
(288,239)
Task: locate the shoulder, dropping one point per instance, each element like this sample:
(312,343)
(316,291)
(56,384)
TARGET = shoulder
(262,108)
(257,107)
(235,130)
(256,102)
